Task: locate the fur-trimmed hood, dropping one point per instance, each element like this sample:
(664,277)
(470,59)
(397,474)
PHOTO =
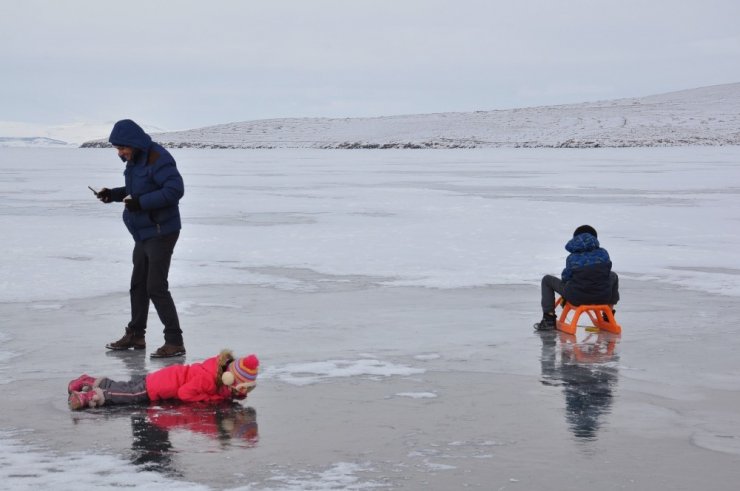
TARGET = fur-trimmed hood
(222,362)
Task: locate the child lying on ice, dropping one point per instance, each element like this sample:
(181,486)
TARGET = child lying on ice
(216,379)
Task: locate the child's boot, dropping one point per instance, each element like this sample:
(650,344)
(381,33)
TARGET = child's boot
(89,398)
(79,384)
(547,323)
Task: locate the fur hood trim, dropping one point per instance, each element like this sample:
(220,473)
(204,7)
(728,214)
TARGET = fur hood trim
(224,358)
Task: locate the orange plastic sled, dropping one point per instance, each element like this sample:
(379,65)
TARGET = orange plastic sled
(568,320)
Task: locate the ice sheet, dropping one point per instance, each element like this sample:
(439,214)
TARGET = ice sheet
(390,296)
(438,219)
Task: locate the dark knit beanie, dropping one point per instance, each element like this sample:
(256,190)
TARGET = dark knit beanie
(585,229)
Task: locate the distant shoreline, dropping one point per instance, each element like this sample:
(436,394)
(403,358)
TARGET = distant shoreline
(706,116)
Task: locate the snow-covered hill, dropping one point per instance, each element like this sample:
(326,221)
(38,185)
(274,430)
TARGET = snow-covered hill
(31,141)
(703,116)
(19,134)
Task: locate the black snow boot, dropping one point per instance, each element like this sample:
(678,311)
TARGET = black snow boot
(606,319)
(547,323)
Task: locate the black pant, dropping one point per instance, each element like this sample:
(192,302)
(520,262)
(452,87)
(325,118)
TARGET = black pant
(553,284)
(151,260)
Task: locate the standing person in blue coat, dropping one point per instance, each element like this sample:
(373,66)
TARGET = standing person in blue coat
(587,278)
(153,188)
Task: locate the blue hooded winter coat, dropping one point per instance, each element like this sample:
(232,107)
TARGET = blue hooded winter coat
(586,273)
(153,178)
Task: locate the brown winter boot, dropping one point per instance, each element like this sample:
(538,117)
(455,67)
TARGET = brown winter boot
(169,351)
(129,340)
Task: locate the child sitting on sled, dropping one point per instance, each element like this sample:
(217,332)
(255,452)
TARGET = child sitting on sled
(587,278)
(216,379)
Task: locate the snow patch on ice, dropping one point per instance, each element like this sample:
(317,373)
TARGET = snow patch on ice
(24,467)
(314,372)
(5,357)
(428,357)
(340,476)
(718,442)
(484,443)
(196,308)
(439,467)
(717,430)
(417,395)
(46,306)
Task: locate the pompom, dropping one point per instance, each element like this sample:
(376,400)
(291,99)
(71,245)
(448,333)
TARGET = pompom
(251,362)
(227,378)
(242,370)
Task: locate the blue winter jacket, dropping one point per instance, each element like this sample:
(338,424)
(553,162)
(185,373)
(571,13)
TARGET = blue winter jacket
(586,273)
(151,176)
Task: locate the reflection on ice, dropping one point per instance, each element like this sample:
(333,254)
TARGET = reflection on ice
(226,424)
(587,371)
(133,360)
(201,427)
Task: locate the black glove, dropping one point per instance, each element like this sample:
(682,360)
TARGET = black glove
(104,195)
(132,204)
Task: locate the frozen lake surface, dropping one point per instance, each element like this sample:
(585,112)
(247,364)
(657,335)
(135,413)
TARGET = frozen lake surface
(390,296)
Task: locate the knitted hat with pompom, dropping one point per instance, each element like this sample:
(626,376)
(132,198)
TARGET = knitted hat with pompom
(242,371)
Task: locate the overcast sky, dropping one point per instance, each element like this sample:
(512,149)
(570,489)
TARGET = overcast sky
(186,64)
